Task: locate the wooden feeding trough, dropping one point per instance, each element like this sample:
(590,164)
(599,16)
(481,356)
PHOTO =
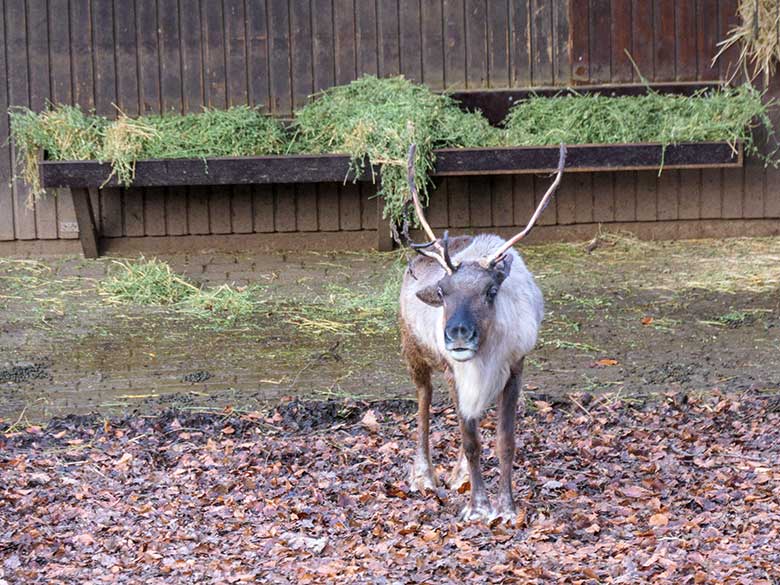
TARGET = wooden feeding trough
(80,176)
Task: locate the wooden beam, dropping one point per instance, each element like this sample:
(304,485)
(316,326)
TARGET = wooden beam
(451,161)
(384,237)
(85,218)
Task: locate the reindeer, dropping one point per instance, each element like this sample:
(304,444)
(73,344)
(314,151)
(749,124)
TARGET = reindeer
(470,308)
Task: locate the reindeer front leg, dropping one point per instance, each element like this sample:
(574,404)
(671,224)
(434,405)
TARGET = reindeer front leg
(507,409)
(421,477)
(478,507)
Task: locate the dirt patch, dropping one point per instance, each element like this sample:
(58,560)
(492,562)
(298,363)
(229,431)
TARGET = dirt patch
(633,317)
(682,488)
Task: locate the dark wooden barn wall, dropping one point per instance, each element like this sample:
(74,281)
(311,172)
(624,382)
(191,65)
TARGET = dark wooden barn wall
(168,55)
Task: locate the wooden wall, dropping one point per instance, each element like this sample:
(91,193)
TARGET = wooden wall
(168,55)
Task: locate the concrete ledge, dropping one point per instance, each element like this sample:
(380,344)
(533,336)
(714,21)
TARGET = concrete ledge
(366,239)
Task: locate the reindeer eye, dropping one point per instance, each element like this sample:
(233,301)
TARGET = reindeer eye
(491,293)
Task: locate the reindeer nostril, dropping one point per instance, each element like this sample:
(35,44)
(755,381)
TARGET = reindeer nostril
(460,332)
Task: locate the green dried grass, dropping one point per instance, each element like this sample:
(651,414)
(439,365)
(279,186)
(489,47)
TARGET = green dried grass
(726,114)
(375,120)
(64,132)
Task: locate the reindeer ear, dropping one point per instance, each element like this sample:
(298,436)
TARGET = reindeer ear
(504,267)
(430,295)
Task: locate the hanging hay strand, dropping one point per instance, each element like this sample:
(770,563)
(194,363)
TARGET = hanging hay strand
(758,38)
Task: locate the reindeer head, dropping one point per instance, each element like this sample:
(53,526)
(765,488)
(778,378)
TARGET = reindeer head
(468,291)
(468,296)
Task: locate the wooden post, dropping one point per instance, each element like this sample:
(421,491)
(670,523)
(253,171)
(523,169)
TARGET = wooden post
(85,218)
(384,237)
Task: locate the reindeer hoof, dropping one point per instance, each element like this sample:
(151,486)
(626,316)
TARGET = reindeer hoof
(477,512)
(459,478)
(505,515)
(421,479)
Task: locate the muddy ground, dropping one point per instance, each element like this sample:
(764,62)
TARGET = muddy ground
(630,317)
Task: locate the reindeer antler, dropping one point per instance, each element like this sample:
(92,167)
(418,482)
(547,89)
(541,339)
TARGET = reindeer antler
(499,254)
(442,253)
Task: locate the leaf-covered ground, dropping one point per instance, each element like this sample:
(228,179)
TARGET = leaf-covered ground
(680,489)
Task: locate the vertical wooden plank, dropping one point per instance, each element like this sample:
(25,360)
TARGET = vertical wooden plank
(542,42)
(686,35)
(257,53)
(153,203)
(81,54)
(193,94)
(172,102)
(753,201)
(550,215)
(6,169)
(241,209)
(455,44)
(625,196)
(214,53)
(198,210)
(480,201)
(502,211)
(301,51)
(370,204)
(565,200)
(458,204)
(366,38)
(126,52)
(284,208)
(114,212)
(438,213)
(707,26)
(263,206)
(583,198)
(668,186)
(642,38)
(664,41)
(279,54)
(411,41)
(646,192)
(772,194)
(498,30)
(133,212)
(18,95)
(603,197)
(561,46)
(727,63)
(349,207)
(389,38)
(323,47)
(476,44)
(154,222)
(733,185)
(328,207)
(306,207)
(711,194)
(622,70)
(170,57)
(600,41)
(580,41)
(105,99)
(59,50)
(524,198)
(344,31)
(432,45)
(148,56)
(235,53)
(690,194)
(40,92)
